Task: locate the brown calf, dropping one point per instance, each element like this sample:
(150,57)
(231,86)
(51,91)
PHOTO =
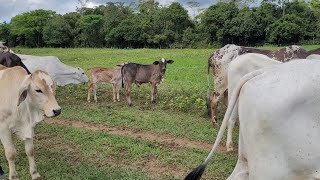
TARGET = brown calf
(101,74)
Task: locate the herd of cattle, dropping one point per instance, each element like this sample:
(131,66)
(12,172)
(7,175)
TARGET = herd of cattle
(275,95)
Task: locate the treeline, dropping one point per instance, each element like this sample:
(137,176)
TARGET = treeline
(149,25)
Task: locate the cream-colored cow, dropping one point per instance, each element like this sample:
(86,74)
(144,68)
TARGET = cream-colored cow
(24,100)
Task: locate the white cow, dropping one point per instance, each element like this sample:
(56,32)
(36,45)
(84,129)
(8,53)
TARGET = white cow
(313,56)
(279,124)
(239,67)
(60,73)
(24,100)
(220,60)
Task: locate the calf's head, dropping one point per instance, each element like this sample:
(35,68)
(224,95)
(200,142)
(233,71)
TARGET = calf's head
(163,65)
(41,89)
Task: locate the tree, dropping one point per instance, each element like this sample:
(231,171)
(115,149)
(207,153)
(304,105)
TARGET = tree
(29,26)
(57,32)
(286,30)
(216,20)
(90,31)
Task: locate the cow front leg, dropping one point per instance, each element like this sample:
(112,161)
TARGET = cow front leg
(153,93)
(215,98)
(118,93)
(114,91)
(30,153)
(9,149)
(89,92)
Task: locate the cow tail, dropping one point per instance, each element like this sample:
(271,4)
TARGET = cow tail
(122,76)
(197,172)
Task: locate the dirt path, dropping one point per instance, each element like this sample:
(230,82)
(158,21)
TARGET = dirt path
(165,139)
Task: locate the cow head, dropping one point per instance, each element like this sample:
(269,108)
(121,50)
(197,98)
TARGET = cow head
(163,65)
(41,89)
(82,76)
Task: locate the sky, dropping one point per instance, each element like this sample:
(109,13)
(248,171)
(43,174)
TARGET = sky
(10,8)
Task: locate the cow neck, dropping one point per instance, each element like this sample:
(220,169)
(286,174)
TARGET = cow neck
(160,73)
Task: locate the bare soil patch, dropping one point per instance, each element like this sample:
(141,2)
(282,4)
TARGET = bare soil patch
(164,139)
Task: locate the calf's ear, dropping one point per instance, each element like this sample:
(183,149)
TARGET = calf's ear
(156,62)
(23,92)
(170,61)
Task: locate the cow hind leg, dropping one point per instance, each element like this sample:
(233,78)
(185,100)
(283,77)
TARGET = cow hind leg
(94,89)
(118,93)
(128,92)
(9,149)
(30,153)
(231,123)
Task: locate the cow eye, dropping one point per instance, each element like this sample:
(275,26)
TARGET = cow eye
(38,91)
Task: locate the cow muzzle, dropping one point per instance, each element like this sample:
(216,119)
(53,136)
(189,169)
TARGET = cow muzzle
(56,112)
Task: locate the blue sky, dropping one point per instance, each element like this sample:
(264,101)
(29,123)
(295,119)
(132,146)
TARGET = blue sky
(10,8)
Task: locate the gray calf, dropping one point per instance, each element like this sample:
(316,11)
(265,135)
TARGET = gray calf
(139,74)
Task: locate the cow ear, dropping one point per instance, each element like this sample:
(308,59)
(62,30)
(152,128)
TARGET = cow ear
(156,62)
(170,61)
(23,92)
(22,96)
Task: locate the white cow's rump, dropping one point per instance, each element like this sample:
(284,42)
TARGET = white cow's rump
(239,67)
(279,123)
(60,73)
(24,100)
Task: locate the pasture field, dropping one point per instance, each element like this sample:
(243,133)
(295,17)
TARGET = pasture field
(113,141)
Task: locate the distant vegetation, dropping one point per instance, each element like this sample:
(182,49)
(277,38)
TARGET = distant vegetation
(149,25)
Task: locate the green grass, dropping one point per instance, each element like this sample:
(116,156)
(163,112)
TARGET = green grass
(70,153)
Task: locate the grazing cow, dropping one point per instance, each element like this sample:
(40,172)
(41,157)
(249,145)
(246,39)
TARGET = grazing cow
(279,124)
(24,100)
(239,67)
(220,59)
(102,74)
(139,74)
(61,73)
(10,60)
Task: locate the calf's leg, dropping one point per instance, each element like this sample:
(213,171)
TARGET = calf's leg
(94,89)
(114,91)
(153,92)
(9,149)
(30,153)
(89,92)
(128,93)
(118,94)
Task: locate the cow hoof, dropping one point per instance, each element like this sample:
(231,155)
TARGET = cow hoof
(114,101)
(216,125)
(36,176)
(130,105)
(118,100)
(229,148)
(88,101)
